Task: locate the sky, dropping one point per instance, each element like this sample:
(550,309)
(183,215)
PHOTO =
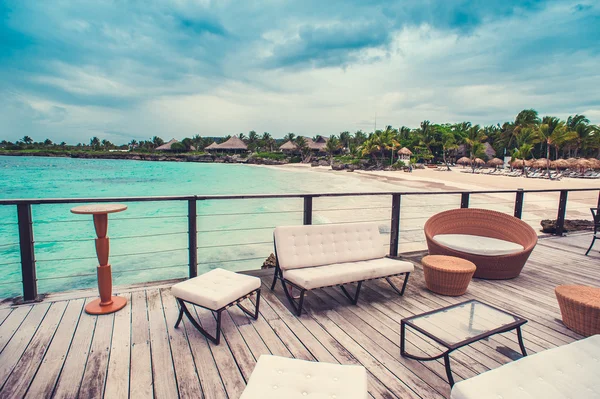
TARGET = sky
(132,69)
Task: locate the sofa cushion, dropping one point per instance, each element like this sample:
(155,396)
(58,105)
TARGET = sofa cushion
(478,245)
(342,273)
(277,377)
(215,289)
(569,371)
(318,245)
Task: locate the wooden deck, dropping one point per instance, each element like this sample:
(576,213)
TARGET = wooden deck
(54,349)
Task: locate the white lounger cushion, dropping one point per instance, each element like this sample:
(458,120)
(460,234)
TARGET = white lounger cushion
(341,273)
(215,289)
(478,245)
(277,377)
(569,371)
(318,245)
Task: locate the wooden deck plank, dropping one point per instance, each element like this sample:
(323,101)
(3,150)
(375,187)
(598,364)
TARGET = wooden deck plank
(208,373)
(11,324)
(183,361)
(163,372)
(71,375)
(140,385)
(18,343)
(4,314)
(54,348)
(43,384)
(16,385)
(229,371)
(117,378)
(94,376)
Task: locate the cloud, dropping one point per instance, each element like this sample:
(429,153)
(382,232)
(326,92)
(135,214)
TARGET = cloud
(174,68)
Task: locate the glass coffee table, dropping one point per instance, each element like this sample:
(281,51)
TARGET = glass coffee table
(459,325)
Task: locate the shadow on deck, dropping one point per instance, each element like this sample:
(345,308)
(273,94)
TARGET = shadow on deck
(54,349)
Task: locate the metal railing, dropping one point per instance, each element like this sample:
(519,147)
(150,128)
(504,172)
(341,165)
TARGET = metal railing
(25,222)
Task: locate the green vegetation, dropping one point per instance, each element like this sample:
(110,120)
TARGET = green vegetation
(528,136)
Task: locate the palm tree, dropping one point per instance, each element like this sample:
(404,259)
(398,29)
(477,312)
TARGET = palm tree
(133,143)
(370,147)
(359,138)
(474,140)
(267,141)
(47,142)
(198,142)
(549,125)
(157,141)
(302,146)
(27,140)
(289,137)
(345,138)
(523,152)
(448,141)
(252,140)
(95,142)
(333,144)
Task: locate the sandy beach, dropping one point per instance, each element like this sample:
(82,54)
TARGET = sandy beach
(416,209)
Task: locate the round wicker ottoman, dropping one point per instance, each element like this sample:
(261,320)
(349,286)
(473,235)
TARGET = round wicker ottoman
(447,275)
(580,308)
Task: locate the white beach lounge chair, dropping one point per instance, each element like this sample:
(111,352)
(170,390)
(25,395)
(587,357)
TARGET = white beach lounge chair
(569,371)
(277,377)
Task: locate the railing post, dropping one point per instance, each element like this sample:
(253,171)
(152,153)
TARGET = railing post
(598,199)
(519,203)
(192,238)
(27,252)
(562,210)
(395,228)
(308,202)
(464,200)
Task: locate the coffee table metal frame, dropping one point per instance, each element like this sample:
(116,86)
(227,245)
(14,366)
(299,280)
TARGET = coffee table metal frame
(516,325)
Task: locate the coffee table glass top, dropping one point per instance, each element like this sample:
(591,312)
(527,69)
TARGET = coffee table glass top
(457,324)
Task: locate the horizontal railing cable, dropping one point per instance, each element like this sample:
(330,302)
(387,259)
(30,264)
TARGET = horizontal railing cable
(247,213)
(11,282)
(243,229)
(235,245)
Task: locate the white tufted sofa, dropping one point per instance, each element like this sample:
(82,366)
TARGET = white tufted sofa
(317,256)
(569,371)
(277,377)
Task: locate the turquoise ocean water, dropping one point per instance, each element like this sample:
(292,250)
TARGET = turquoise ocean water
(229,230)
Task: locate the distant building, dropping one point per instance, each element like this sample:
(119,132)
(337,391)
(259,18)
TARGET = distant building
(404,155)
(233,145)
(317,145)
(167,146)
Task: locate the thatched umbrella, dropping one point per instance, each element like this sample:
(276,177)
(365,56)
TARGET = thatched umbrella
(495,162)
(540,163)
(479,161)
(584,163)
(559,164)
(464,161)
(595,163)
(572,162)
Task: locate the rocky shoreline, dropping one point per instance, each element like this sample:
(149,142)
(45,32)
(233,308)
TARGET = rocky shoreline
(133,156)
(361,164)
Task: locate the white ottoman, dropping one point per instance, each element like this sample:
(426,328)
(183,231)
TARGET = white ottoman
(216,291)
(277,377)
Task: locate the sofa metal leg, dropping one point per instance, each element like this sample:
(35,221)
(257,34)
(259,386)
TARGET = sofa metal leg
(591,245)
(179,317)
(296,306)
(354,299)
(254,314)
(214,339)
(274,278)
(399,291)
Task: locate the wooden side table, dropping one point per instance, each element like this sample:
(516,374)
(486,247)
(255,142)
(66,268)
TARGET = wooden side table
(447,275)
(107,303)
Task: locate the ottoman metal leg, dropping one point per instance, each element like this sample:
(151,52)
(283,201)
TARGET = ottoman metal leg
(216,339)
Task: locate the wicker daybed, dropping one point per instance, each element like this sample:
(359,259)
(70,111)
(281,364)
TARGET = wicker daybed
(483,223)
